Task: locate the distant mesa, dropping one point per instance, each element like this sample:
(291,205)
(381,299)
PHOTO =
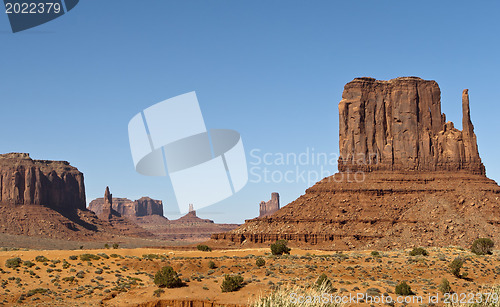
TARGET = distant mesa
(268,208)
(407,177)
(124,207)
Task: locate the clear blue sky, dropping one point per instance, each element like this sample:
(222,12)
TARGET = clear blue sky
(272,70)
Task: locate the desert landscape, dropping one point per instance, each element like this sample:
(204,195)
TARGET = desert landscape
(409,219)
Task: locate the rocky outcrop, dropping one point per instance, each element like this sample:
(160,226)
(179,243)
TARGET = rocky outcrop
(398,125)
(144,206)
(54,184)
(268,208)
(406,178)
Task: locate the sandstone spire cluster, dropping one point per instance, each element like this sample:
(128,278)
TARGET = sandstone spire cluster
(398,125)
(268,208)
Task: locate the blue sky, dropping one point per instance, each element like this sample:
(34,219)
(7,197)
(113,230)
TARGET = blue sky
(272,70)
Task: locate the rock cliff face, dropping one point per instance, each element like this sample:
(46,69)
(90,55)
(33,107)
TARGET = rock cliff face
(268,208)
(54,184)
(125,207)
(398,125)
(406,178)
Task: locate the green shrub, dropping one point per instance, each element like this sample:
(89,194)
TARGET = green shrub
(419,251)
(41,259)
(89,257)
(323,282)
(80,274)
(260,262)
(13,263)
(158,292)
(28,263)
(444,286)
(204,248)
(375,254)
(280,248)
(482,246)
(211,265)
(231,283)
(167,277)
(403,289)
(69,278)
(73,257)
(456,266)
(103,255)
(106,246)
(35,291)
(115,245)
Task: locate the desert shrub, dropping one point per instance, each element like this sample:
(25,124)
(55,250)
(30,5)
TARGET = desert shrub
(456,266)
(158,292)
(89,257)
(28,263)
(204,248)
(324,282)
(150,256)
(211,265)
(73,257)
(375,254)
(115,245)
(288,297)
(419,251)
(115,256)
(35,291)
(106,246)
(231,283)
(80,274)
(41,259)
(260,262)
(280,248)
(444,286)
(403,289)
(13,263)
(69,278)
(482,246)
(167,277)
(103,255)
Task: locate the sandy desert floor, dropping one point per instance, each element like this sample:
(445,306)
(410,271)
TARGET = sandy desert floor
(124,277)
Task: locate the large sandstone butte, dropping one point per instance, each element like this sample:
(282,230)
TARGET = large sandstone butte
(47,199)
(406,178)
(398,125)
(55,184)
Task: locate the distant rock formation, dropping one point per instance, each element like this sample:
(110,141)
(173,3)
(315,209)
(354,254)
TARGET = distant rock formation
(398,125)
(268,208)
(127,208)
(54,184)
(191,217)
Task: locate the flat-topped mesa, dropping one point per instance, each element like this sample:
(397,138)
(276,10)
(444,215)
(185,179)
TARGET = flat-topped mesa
(54,184)
(398,125)
(144,206)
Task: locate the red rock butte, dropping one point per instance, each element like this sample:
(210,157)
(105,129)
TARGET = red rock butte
(406,178)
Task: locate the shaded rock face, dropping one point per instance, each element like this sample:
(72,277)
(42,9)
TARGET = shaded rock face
(54,184)
(144,206)
(268,208)
(398,125)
